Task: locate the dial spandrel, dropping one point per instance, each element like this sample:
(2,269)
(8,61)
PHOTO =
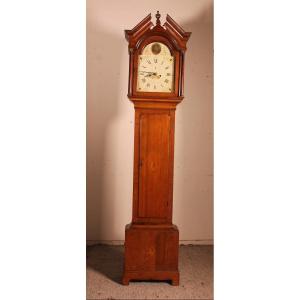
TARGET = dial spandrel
(155,69)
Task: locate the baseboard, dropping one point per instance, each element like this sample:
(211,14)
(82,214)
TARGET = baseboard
(121,242)
(196,242)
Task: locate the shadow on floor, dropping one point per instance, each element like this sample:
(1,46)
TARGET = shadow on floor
(107,260)
(105,267)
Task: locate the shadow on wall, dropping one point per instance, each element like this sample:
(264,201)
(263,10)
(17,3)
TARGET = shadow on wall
(102,108)
(193,141)
(193,179)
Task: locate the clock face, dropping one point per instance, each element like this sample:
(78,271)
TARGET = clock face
(155,69)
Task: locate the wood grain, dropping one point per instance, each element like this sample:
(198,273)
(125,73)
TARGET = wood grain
(151,240)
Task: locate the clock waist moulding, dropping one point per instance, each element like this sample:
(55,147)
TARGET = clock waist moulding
(156,73)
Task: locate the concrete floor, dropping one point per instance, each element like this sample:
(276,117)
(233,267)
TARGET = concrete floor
(104,272)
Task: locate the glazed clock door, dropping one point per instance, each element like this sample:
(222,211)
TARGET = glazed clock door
(155,69)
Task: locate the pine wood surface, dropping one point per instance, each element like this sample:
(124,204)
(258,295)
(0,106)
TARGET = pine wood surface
(151,240)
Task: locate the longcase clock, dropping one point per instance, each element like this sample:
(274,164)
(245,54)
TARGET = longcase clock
(156,72)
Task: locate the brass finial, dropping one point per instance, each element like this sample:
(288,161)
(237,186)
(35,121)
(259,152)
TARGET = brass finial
(157,18)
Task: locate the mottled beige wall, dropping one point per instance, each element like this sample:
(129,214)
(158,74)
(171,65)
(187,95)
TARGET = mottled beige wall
(110,119)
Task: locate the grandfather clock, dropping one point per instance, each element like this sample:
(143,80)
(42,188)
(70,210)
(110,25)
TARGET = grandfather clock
(156,72)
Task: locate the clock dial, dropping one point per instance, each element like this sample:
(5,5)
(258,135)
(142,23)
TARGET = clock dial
(155,69)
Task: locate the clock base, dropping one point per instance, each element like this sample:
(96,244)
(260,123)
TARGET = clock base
(151,253)
(148,276)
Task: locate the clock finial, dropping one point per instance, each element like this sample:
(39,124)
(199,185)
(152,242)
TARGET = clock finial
(157,18)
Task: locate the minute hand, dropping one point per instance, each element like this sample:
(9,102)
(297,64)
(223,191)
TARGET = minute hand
(152,73)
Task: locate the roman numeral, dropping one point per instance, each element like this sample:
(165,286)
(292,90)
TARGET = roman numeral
(155,60)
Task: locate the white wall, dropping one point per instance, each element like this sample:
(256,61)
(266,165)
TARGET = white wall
(110,119)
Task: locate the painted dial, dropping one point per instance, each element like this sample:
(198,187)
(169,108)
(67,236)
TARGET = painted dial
(155,69)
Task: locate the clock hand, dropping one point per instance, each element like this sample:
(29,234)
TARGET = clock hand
(147,72)
(156,76)
(150,75)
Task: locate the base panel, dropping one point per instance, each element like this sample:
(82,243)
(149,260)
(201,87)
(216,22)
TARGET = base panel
(151,253)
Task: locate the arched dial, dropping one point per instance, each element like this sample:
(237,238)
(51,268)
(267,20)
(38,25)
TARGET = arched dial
(155,69)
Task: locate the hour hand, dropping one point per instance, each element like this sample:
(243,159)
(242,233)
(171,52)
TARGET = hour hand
(154,75)
(148,73)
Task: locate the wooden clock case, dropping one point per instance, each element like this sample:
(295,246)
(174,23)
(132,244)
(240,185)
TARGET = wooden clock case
(151,240)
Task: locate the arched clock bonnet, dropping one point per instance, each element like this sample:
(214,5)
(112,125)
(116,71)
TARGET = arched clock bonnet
(173,37)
